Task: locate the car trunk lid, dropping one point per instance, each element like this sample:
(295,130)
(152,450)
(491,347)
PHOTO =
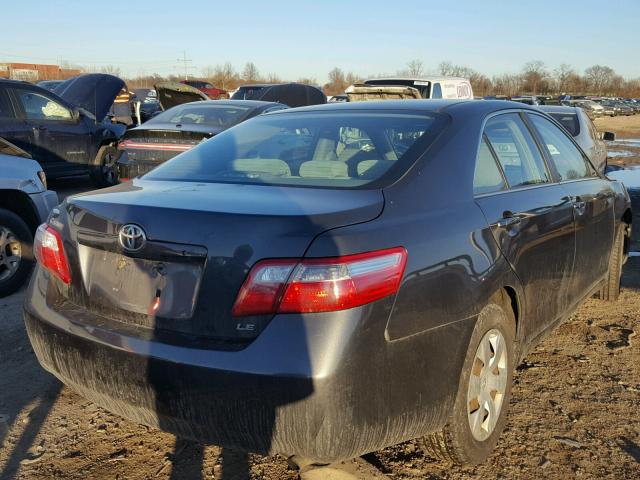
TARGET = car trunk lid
(201,241)
(147,147)
(171,94)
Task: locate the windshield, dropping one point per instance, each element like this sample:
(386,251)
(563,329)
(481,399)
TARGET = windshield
(248,93)
(330,149)
(569,121)
(209,114)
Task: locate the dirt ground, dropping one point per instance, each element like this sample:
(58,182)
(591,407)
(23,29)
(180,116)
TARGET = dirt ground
(574,411)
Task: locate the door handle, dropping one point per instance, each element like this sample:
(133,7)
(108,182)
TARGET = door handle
(509,220)
(39,127)
(578,203)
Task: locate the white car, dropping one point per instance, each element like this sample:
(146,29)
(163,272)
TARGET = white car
(25,203)
(431,87)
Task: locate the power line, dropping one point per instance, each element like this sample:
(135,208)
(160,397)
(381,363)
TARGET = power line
(185,64)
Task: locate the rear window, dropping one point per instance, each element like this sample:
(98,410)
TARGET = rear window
(569,121)
(248,93)
(347,150)
(213,115)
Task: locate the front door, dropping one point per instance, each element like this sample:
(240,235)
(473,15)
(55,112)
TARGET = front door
(531,220)
(61,140)
(12,128)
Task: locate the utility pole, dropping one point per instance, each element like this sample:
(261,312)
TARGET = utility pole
(185,64)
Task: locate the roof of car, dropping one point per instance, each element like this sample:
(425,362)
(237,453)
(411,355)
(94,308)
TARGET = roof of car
(558,109)
(231,103)
(424,105)
(434,78)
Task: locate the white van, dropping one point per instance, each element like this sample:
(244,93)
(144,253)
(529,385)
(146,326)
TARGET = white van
(431,87)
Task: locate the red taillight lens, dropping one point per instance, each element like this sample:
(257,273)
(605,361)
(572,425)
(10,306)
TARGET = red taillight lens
(320,285)
(49,252)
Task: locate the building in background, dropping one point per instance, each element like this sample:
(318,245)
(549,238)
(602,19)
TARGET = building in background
(33,72)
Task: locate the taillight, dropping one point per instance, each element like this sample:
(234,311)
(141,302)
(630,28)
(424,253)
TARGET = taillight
(49,252)
(320,284)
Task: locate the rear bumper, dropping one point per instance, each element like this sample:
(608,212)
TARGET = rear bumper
(129,167)
(324,387)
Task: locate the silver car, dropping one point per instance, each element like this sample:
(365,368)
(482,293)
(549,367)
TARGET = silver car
(580,126)
(25,203)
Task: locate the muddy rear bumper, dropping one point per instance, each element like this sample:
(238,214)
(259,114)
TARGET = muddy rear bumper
(324,387)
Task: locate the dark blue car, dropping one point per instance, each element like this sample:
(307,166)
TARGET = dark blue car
(327,281)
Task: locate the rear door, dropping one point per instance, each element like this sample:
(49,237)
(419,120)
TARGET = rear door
(592,198)
(530,218)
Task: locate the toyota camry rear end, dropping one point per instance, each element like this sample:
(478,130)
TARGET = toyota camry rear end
(304,283)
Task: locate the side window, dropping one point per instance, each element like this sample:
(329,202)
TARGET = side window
(566,157)
(517,152)
(6,111)
(436,92)
(39,107)
(487,177)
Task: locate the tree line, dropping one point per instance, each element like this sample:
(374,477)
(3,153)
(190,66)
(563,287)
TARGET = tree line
(535,78)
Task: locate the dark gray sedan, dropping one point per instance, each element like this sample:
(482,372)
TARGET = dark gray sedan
(327,281)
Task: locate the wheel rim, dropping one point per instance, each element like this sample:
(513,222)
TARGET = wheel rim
(487,384)
(10,253)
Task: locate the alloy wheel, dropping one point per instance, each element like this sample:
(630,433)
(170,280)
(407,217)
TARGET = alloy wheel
(10,253)
(487,384)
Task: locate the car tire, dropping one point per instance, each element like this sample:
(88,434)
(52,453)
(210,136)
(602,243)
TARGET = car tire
(458,442)
(16,240)
(610,292)
(104,171)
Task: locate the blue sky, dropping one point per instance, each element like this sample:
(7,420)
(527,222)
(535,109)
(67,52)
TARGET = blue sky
(309,38)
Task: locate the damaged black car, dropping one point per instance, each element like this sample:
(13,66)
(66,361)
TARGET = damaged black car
(66,129)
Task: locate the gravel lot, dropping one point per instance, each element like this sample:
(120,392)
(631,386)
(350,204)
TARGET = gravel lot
(573,413)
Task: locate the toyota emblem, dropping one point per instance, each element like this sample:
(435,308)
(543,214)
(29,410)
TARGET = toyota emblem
(132,237)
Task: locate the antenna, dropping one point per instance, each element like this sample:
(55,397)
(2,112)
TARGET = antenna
(185,64)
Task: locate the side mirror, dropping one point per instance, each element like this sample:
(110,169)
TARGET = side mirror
(609,136)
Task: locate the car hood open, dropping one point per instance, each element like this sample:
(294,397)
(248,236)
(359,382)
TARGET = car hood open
(93,92)
(171,94)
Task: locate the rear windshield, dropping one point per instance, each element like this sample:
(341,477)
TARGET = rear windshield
(213,115)
(569,121)
(331,149)
(248,93)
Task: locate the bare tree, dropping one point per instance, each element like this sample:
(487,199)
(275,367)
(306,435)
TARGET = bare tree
(250,72)
(507,84)
(337,82)
(534,77)
(562,75)
(307,81)
(415,68)
(274,78)
(599,78)
(111,70)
